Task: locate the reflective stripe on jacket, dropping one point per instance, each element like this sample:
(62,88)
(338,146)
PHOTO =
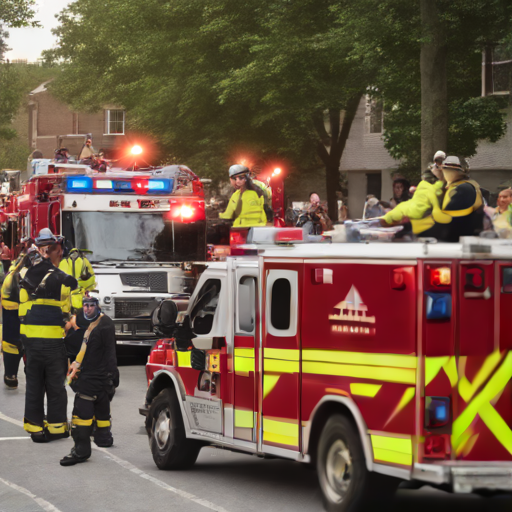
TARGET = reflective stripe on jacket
(251,209)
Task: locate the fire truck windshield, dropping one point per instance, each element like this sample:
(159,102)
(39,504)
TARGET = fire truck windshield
(124,236)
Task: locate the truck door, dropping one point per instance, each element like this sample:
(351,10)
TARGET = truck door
(246,360)
(281,357)
(482,412)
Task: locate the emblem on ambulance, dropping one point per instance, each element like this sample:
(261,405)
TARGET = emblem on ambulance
(350,315)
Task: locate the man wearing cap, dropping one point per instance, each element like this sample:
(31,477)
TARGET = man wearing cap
(87,150)
(246,206)
(94,384)
(44,310)
(448,209)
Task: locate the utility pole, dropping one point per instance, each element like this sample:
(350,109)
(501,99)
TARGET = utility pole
(434,83)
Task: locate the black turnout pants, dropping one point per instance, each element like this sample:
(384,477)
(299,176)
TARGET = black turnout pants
(46,369)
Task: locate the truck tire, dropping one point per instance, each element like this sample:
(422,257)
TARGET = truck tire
(169,445)
(347,485)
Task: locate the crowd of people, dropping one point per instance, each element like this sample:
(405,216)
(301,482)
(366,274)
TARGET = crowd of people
(445,205)
(52,324)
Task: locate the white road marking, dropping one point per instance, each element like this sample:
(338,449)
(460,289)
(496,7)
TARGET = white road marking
(13,438)
(184,494)
(11,420)
(47,507)
(130,467)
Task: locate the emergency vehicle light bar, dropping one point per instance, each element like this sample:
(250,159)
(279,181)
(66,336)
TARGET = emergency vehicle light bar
(86,184)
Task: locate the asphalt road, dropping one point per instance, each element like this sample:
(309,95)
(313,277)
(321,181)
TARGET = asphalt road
(124,477)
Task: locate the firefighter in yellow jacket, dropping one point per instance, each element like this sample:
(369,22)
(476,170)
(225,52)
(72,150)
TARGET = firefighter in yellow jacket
(78,266)
(45,305)
(246,206)
(11,341)
(447,209)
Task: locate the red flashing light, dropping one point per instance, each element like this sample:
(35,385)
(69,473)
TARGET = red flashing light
(141,186)
(238,236)
(136,150)
(187,212)
(290,235)
(440,276)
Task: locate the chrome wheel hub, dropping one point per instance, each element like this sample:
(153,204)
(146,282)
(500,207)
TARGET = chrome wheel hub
(163,428)
(338,471)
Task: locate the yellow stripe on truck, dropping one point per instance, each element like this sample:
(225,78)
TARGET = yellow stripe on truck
(396,450)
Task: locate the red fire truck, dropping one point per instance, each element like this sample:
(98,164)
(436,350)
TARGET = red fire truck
(376,362)
(138,227)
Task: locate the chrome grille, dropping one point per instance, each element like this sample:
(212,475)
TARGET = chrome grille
(153,281)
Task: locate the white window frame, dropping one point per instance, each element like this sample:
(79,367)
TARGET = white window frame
(241,273)
(292,277)
(107,121)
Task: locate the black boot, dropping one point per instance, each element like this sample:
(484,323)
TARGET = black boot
(103,437)
(11,382)
(39,437)
(82,450)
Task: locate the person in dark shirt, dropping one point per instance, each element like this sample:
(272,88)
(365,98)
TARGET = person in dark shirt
(95,385)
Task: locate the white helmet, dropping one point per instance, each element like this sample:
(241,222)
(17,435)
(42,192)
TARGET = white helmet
(439,154)
(236,169)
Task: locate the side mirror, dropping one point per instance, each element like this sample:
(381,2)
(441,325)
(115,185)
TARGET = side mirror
(164,318)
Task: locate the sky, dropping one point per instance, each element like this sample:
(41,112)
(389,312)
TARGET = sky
(27,43)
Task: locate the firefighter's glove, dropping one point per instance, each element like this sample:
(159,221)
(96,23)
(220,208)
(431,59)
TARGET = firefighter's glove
(110,388)
(198,359)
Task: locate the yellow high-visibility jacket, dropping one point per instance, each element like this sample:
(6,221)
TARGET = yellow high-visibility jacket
(246,211)
(45,302)
(78,266)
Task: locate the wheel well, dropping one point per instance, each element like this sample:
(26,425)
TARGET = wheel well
(325,411)
(158,384)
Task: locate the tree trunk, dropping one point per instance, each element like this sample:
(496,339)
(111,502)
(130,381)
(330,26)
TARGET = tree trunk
(434,85)
(337,141)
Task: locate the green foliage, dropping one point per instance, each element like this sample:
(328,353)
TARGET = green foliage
(14,153)
(388,35)
(17,13)
(10,99)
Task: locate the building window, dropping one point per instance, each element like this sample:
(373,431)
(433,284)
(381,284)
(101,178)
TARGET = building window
(373,115)
(114,122)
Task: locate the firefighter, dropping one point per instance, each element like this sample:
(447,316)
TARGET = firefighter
(246,206)
(95,386)
(44,310)
(446,210)
(11,342)
(78,266)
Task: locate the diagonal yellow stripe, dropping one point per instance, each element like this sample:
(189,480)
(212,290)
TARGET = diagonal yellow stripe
(360,389)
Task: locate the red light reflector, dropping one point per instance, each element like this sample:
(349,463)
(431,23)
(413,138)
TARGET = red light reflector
(441,276)
(474,278)
(436,446)
(290,235)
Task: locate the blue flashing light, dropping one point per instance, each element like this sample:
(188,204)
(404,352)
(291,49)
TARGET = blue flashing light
(123,185)
(79,184)
(164,185)
(437,411)
(439,305)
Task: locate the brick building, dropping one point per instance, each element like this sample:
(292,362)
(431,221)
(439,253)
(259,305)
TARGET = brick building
(51,124)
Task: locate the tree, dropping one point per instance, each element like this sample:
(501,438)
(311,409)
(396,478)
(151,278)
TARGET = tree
(4,47)
(17,13)
(210,79)
(390,36)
